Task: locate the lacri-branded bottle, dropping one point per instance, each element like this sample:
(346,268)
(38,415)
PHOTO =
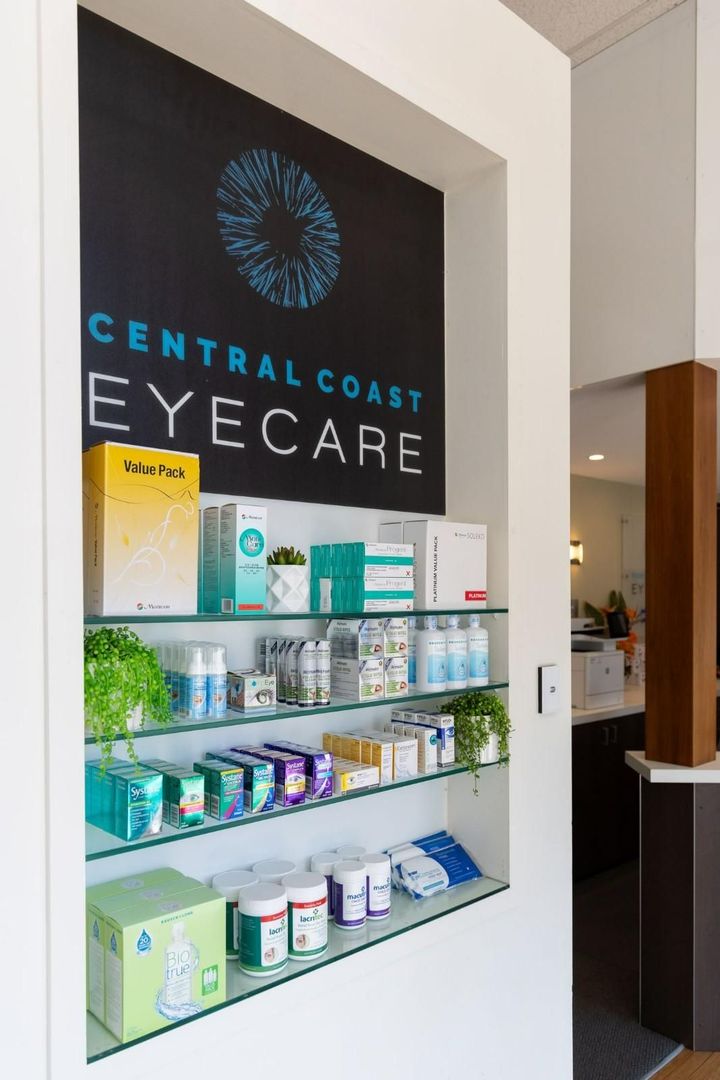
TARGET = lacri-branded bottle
(457,654)
(430,658)
(478,653)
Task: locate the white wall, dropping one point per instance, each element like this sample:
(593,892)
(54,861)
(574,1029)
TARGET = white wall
(597,509)
(707,239)
(424,86)
(633,200)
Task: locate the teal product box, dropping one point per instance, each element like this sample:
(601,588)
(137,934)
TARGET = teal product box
(210,565)
(243,558)
(100,794)
(164,961)
(152,885)
(258,780)
(138,803)
(224,789)
(183,793)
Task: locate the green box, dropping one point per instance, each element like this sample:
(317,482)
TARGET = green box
(164,961)
(96,896)
(224,789)
(258,780)
(183,793)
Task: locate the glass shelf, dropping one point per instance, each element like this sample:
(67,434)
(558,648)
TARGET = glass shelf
(274,616)
(102,845)
(406,915)
(284,712)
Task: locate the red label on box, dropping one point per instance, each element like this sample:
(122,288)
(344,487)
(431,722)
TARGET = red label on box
(475,594)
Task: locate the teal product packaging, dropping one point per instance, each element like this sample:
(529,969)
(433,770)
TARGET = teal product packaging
(243,558)
(224,789)
(210,564)
(183,793)
(96,896)
(100,794)
(138,803)
(258,780)
(164,961)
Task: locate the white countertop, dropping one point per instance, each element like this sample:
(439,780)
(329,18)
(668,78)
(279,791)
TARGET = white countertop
(659,772)
(634,703)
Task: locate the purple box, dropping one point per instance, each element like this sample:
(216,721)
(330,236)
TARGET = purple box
(289,773)
(318,767)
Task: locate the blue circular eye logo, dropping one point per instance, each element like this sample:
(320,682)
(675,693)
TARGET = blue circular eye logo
(279,226)
(251,542)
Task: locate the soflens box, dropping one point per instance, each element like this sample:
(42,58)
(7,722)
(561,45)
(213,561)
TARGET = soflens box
(243,557)
(258,780)
(157,885)
(164,961)
(96,895)
(318,767)
(289,773)
(224,788)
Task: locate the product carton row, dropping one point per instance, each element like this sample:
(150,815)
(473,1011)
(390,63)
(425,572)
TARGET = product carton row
(369,657)
(362,576)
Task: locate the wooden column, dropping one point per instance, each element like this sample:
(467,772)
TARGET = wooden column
(680,565)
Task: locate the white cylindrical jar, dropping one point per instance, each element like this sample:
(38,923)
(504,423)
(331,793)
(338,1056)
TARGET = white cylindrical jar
(323,863)
(263,929)
(351,851)
(273,870)
(307,915)
(349,894)
(229,884)
(378,885)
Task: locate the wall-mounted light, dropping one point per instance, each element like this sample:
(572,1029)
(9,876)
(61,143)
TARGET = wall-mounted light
(596,457)
(576,553)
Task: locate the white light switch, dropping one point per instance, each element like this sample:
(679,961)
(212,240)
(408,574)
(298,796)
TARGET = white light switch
(548,688)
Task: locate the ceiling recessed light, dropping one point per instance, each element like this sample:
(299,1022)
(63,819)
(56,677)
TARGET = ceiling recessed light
(596,457)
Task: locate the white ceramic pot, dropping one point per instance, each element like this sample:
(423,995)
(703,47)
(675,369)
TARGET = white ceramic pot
(288,588)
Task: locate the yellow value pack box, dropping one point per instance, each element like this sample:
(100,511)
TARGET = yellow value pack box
(140,530)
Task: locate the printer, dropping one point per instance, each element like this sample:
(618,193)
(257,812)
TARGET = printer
(598,676)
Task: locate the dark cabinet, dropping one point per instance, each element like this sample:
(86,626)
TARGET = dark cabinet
(605,795)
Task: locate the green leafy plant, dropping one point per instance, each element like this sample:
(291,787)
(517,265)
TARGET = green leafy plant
(477,717)
(284,556)
(122,675)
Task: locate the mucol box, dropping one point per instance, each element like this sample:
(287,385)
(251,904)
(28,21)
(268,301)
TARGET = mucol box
(289,773)
(140,530)
(243,557)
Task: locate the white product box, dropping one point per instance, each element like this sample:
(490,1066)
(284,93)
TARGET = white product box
(356,638)
(395,676)
(243,557)
(351,776)
(444,725)
(450,562)
(405,754)
(637,668)
(395,636)
(358,680)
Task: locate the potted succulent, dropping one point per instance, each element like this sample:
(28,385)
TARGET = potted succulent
(288,581)
(482,731)
(124,688)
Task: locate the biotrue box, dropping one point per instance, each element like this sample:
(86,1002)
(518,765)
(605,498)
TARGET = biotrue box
(164,961)
(243,557)
(140,530)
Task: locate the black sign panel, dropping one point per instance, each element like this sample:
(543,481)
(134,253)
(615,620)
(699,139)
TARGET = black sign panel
(254,290)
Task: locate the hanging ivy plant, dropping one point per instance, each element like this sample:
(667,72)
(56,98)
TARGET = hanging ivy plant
(122,677)
(478,716)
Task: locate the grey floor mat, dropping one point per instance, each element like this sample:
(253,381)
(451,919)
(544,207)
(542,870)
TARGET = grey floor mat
(609,1043)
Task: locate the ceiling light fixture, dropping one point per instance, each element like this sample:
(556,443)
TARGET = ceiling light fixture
(596,457)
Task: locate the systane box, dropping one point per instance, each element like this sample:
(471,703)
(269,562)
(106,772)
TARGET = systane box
(140,530)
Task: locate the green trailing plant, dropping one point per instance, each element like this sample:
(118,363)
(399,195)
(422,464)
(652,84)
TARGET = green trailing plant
(284,556)
(478,716)
(122,675)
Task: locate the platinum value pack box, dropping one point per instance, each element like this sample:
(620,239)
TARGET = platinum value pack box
(450,562)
